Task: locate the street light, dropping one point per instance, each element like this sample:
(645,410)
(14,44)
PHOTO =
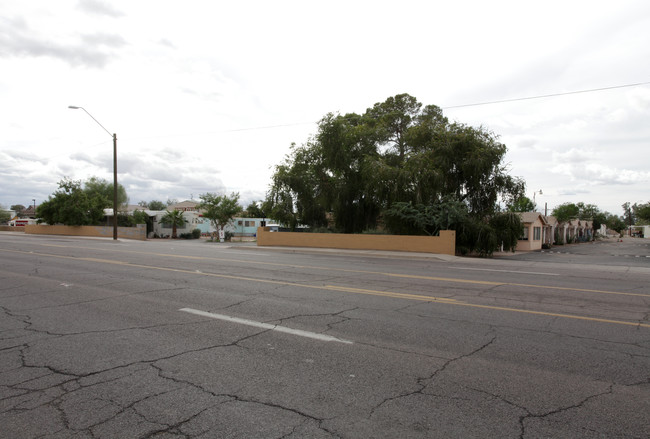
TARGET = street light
(535,193)
(114,167)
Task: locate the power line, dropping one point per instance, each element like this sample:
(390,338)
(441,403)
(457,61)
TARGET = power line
(552,95)
(267,127)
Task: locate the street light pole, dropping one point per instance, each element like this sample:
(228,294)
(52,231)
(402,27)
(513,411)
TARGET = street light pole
(114,136)
(535,193)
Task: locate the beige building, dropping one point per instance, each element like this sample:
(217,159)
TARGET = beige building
(534,227)
(185,206)
(575,230)
(551,227)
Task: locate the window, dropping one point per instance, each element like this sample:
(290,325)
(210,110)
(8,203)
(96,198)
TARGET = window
(524,236)
(240,222)
(537,233)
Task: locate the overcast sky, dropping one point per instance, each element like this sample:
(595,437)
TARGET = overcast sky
(207,96)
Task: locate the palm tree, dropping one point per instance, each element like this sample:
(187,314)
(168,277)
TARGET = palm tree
(175,218)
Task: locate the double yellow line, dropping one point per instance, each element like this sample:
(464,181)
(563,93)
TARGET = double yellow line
(395,295)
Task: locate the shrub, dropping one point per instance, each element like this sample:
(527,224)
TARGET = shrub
(320,230)
(486,240)
(508,228)
(196,233)
(375,232)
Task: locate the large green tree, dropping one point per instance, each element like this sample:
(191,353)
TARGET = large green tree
(641,213)
(357,166)
(254,210)
(522,204)
(629,214)
(156,205)
(614,222)
(71,205)
(219,209)
(98,187)
(566,211)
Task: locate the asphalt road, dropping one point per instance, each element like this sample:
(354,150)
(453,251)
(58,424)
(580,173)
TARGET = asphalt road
(187,339)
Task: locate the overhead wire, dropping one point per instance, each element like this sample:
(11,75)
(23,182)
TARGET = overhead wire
(475,104)
(552,95)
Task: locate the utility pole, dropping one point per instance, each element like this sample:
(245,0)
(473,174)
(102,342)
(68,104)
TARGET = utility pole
(114,168)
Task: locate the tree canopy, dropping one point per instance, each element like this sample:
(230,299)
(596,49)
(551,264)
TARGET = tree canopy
(253,210)
(72,206)
(566,211)
(360,166)
(642,213)
(156,205)
(219,209)
(18,208)
(638,214)
(99,187)
(522,204)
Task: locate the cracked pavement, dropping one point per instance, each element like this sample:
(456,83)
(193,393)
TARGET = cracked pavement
(92,345)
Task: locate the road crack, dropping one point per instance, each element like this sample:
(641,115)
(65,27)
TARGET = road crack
(529,415)
(423,382)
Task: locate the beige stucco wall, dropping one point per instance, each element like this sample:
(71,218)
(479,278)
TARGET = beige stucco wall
(444,244)
(12,229)
(139,232)
(531,244)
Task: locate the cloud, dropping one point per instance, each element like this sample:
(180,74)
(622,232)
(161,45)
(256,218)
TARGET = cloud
(165,42)
(19,40)
(572,192)
(166,173)
(13,156)
(99,8)
(104,39)
(522,142)
(599,174)
(573,155)
(85,158)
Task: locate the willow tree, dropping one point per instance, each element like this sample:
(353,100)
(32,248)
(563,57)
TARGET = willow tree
(358,165)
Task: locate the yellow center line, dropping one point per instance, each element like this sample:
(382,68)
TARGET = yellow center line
(486,282)
(344,289)
(346,270)
(387,294)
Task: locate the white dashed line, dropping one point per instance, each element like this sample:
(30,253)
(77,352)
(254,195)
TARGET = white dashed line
(262,325)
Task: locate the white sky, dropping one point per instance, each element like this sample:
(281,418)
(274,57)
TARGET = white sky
(191,88)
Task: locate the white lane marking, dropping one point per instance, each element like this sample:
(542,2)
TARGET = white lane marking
(505,271)
(312,335)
